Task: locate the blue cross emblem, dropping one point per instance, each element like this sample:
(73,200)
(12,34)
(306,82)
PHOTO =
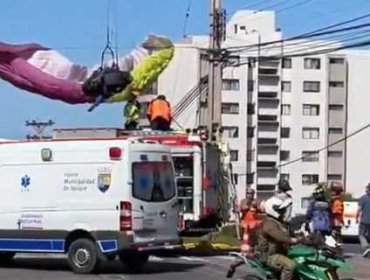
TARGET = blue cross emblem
(26,181)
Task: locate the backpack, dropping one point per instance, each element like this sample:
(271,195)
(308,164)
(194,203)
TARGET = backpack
(321,216)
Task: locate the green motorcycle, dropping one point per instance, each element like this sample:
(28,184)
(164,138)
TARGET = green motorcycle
(311,264)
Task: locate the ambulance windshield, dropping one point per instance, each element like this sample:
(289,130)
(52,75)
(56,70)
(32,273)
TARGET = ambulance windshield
(153,181)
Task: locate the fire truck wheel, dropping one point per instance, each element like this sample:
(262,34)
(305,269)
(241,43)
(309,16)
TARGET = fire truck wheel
(133,260)
(83,256)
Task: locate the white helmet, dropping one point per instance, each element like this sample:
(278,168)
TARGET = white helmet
(279,208)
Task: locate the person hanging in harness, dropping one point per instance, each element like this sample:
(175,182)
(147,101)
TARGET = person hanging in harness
(159,113)
(250,220)
(132,114)
(318,213)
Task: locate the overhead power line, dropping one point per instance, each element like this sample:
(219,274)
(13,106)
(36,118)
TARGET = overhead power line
(329,146)
(311,34)
(348,136)
(293,6)
(333,39)
(257,4)
(276,5)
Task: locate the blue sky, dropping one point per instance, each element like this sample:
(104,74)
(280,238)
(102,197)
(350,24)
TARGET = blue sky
(77,29)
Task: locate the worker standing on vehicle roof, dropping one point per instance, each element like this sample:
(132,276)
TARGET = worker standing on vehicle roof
(250,220)
(132,114)
(159,113)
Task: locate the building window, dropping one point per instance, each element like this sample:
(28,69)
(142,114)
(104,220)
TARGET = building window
(310,179)
(284,176)
(309,156)
(251,108)
(250,85)
(284,155)
(250,132)
(311,133)
(287,63)
(235,178)
(234,155)
(311,86)
(231,131)
(336,84)
(250,178)
(336,60)
(311,110)
(230,84)
(250,155)
(230,108)
(312,63)
(335,130)
(286,86)
(336,107)
(285,132)
(335,153)
(285,109)
(334,177)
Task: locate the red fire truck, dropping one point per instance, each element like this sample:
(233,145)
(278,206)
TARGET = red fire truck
(203,190)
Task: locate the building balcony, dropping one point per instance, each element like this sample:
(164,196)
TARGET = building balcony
(267,157)
(268,72)
(267,165)
(268,88)
(269,132)
(268,95)
(269,63)
(269,112)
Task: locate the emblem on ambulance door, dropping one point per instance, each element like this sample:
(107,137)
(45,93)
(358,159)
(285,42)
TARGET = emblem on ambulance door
(104,181)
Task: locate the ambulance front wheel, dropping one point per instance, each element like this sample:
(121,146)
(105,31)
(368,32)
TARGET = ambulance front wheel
(134,261)
(83,256)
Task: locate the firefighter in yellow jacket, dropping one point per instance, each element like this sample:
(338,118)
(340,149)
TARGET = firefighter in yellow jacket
(132,114)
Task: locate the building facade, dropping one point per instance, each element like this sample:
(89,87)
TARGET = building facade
(279,114)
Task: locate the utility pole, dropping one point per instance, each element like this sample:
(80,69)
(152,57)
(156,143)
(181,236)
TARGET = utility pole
(217,35)
(39,128)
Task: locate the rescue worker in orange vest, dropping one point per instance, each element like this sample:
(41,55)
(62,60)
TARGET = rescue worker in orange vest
(337,209)
(159,113)
(250,220)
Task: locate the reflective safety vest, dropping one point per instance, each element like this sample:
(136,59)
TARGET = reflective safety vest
(132,112)
(159,108)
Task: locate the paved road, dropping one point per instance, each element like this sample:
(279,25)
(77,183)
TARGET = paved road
(212,268)
(159,268)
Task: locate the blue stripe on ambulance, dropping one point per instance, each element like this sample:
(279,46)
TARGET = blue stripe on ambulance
(48,245)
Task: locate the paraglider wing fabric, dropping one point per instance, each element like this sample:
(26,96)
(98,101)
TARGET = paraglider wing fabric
(145,73)
(46,72)
(17,70)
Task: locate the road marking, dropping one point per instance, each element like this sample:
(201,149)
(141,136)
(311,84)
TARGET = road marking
(193,259)
(155,259)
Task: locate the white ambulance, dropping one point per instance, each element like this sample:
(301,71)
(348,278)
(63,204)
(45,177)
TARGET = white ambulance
(93,199)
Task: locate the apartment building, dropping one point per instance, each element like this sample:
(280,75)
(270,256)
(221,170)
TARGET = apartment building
(278,113)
